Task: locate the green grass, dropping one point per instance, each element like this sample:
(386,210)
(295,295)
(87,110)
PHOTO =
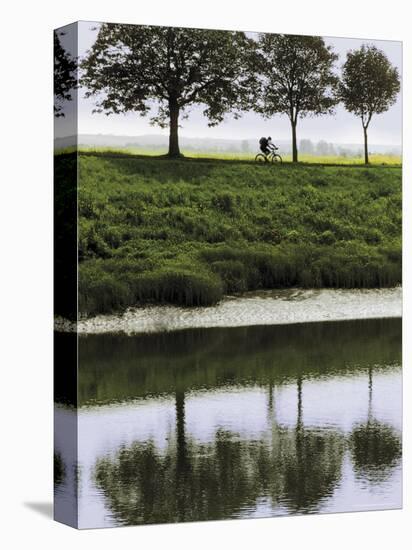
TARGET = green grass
(375,159)
(188,232)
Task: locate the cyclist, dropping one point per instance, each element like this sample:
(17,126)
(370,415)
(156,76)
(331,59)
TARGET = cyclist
(266,145)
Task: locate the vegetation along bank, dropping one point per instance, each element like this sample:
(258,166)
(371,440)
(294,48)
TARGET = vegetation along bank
(187,232)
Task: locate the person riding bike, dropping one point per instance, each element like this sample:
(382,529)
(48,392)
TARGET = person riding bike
(268,152)
(266,145)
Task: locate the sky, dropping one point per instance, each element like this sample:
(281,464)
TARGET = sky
(343,127)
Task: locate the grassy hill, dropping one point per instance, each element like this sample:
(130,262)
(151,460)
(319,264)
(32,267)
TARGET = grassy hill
(187,232)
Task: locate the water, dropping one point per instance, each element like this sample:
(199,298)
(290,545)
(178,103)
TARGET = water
(243,422)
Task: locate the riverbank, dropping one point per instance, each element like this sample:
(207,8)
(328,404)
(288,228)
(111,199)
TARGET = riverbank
(252,308)
(188,233)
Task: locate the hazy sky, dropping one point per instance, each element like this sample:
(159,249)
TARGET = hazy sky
(343,127)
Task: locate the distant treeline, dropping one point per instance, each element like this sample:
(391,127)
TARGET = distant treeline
(321,148)
(159,143)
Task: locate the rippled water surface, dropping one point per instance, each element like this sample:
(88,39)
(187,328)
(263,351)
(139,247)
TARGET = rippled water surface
(242,422)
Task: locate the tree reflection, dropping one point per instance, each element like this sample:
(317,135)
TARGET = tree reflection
(225,478)
(183,465)
(117,368)
(376,447)
(144,485)
(291,468)
(311,463)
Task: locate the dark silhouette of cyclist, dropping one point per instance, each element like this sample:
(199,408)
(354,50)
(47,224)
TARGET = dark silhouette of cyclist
(266,145)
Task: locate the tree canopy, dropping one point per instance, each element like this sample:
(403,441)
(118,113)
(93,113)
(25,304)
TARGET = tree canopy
(297,79)
(65,76)
(369,85)
(162,71)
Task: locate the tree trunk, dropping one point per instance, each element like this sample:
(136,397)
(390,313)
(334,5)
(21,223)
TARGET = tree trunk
(174,150)
(294,144)
(365,137)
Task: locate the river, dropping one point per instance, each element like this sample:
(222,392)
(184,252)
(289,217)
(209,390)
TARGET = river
(236,422)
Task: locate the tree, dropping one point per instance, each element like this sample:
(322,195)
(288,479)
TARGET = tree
(296,78)
(245,146)
(369,86)
(324,149)
(306,146)
(139,68)
(65,76)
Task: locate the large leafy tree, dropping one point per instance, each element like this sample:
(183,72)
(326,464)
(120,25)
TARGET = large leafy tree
(296,76)
(369,85)
(162,71)
(65,76)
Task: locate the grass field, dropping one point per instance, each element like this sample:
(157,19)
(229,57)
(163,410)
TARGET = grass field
(375,159)
(188,232)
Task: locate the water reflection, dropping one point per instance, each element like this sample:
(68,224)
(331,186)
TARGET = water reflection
(312,464)
(240,423)
(119,367)
(196,481)
(376,447)
(292,469)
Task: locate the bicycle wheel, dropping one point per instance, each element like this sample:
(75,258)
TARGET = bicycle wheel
(277,158)
(260,158)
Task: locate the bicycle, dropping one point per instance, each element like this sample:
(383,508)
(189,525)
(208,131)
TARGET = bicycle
(272,156)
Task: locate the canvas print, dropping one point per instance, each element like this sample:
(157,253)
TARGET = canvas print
(228,269)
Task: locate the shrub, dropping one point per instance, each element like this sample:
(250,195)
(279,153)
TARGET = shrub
(176,287)
(373,236)
(293,236)
(101,292)
(224,202)
(327,237)
(233,274)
